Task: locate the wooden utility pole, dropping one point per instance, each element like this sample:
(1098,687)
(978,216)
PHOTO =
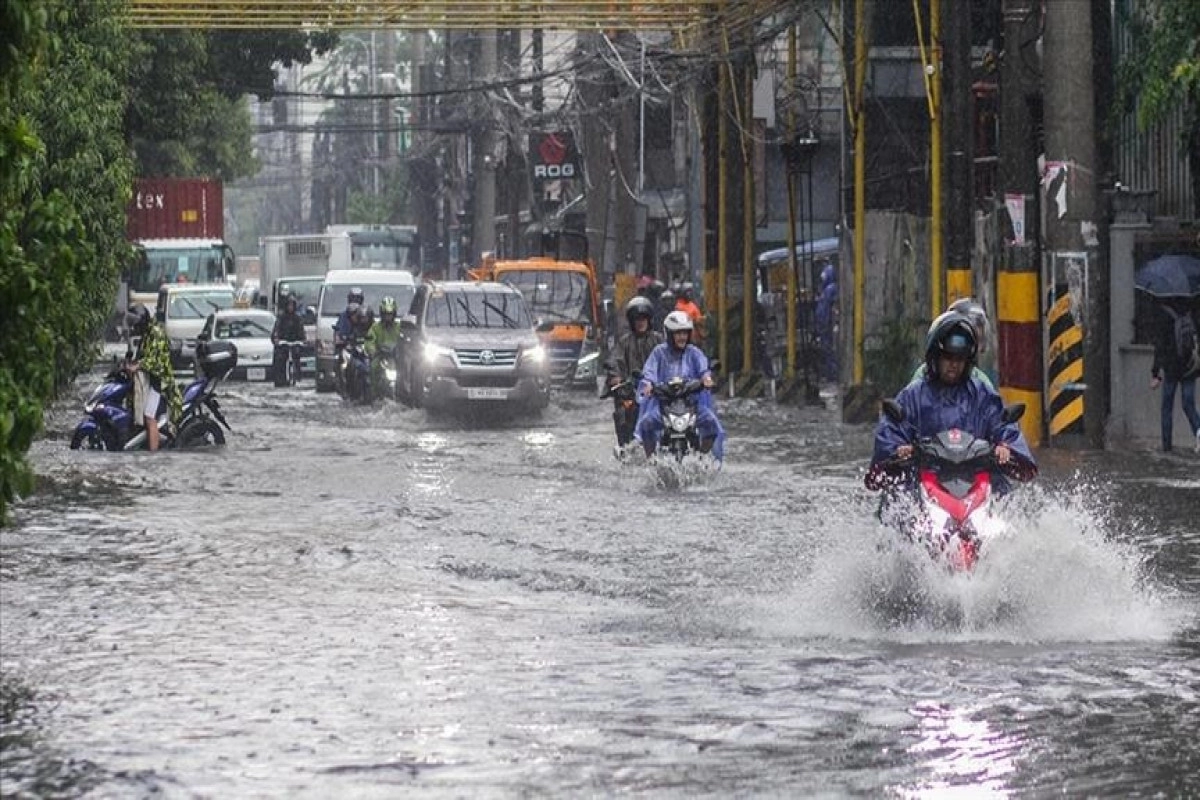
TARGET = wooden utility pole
(1018,290)
(958,127)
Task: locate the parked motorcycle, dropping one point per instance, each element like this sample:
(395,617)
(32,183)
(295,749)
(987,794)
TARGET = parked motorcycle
(948,507)
(111,425)
(287,363)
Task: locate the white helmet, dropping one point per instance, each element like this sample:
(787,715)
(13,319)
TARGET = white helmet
(677,321)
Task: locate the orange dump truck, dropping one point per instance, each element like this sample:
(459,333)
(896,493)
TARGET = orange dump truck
(564,299)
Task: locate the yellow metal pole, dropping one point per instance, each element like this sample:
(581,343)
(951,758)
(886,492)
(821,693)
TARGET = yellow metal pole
(936,271)
(860,183)
(789,369)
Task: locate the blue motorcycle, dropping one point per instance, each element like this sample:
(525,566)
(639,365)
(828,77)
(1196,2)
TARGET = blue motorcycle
(110,425)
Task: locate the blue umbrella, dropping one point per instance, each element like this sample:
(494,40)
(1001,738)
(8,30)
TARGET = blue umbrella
(1170,276)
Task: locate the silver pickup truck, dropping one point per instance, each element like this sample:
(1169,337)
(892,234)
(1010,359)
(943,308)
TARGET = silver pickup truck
(471,344)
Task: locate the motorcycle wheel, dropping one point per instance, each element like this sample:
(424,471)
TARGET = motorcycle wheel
(293,372)
(200,433)
(88,440)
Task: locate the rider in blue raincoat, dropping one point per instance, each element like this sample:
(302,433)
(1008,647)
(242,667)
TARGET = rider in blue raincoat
(677,357)
(949,397)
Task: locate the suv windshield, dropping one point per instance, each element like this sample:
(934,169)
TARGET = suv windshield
(553,295)
(476,309)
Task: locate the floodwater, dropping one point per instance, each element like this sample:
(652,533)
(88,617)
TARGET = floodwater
(350,602)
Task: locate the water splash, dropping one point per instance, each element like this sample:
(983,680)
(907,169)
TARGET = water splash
(1062,574)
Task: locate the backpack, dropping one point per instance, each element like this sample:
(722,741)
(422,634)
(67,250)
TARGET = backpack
(1187,346)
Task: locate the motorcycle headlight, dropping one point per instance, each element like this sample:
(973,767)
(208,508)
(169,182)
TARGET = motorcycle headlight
(433,352)
(389,373)
(681,424)
(534,355)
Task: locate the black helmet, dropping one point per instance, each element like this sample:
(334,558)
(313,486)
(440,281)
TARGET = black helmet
(139,319)
(355,296)
(951,334)
(638,307)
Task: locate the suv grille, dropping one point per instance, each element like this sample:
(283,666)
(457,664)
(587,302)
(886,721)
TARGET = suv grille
(484,357)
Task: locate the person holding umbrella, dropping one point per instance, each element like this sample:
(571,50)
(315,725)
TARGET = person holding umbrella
(1174,282)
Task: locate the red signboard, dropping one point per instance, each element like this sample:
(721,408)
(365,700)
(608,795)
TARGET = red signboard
(553,156)
(176,208)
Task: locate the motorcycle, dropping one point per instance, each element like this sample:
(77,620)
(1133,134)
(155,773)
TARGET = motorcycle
(950,508)
(385,375)
(677,399)
(354,373)
(110,425)
(625,409)
(287,363)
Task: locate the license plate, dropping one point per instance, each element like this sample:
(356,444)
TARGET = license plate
(486,393)
(256,374)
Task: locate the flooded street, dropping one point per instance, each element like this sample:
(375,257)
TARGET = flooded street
(350,602)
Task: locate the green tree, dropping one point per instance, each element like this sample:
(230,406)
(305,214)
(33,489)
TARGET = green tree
(1161,70)
(64,182)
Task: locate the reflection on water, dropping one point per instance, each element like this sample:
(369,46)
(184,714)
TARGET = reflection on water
(964,755)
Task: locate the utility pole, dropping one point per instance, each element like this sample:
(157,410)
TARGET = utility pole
(1077,322)
(958,119)
(1018,317)
(483,227)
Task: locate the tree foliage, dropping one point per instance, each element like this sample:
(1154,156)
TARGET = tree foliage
(64,181)
(1162,67)
(1161,71)
(187,114)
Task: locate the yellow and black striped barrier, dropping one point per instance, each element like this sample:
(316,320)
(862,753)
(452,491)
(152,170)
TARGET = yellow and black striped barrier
(1064,358)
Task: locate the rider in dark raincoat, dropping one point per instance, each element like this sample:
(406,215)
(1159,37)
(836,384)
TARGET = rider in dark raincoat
(950,397)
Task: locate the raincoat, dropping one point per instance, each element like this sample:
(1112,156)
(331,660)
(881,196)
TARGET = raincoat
(382,338)
(154,359)
(664,364)
(931,407)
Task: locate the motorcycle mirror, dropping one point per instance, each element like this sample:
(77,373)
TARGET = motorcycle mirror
(1013,413)
(544,327)
(714,365)
(893,410)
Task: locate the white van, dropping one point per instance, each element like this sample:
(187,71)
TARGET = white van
(375,284)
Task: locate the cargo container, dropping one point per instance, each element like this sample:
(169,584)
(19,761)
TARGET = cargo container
(176,208)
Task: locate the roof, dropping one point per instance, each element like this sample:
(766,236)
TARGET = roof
(180,244)
(471,286)
(188,288)
(816,247)
(243,313)
(369,277)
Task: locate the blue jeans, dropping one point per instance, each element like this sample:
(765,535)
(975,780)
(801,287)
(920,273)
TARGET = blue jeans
(1187,396)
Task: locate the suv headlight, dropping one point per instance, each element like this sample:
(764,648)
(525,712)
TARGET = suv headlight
(433,352)
(534,355)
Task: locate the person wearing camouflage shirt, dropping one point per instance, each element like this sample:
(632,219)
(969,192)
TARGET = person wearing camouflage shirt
(153,376)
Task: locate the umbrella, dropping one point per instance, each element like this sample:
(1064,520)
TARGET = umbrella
(1170,276)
